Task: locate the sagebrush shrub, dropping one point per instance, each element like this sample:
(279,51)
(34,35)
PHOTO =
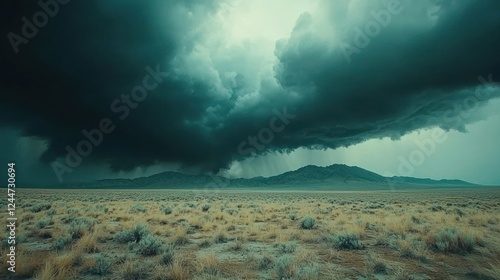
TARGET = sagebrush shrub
(307,223)
(220,238)
(51,212)
(308,272)
(61,242)
(167,210)
(410,248)
(102,265)
(452,241)
(134,235)
(43,223)
(287,248)
(125,236)
(138,208)
(265,262)
(40,207)
(284,267)
(72,211)
(149,246)
(436,208)
(348,241)
(204,244)
(376,264)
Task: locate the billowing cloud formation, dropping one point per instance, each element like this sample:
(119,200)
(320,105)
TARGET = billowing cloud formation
(348,72)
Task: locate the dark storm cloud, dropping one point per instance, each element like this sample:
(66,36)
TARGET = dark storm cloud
(90,53)
(210,99)
(407,77)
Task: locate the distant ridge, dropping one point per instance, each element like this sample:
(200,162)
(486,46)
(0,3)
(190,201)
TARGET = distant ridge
(310,177)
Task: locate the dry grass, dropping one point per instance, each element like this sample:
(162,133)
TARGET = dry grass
(209,265)
(59,267)
(88,243)
(178,271)
(29,262)
(395,229)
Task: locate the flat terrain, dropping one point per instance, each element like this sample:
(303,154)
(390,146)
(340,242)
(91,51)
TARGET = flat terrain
(166,234)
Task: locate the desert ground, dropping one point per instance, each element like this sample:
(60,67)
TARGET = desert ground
(182,234)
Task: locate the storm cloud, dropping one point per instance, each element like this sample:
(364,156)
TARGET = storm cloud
(431,64)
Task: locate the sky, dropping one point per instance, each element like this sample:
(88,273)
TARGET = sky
(121,89)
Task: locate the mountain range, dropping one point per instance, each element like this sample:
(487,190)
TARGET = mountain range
(333,177)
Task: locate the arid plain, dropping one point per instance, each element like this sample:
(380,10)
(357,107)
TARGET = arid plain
(183,234)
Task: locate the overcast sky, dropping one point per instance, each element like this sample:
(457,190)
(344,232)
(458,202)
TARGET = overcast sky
(107,89)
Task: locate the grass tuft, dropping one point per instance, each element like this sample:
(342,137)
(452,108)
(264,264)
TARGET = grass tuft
(167,257)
